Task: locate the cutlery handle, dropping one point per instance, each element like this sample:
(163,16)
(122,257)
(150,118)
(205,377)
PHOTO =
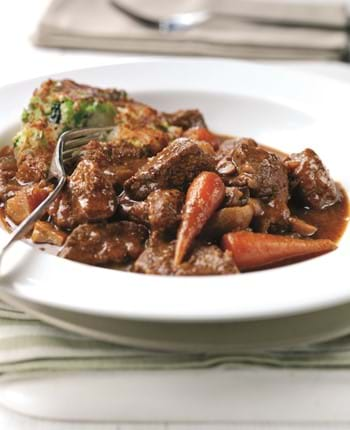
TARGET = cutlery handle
(28,222)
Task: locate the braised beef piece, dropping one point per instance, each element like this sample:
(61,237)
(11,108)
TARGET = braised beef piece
(33,167)
(101,244)
(133,210)
(164,209)
(89,196)
(266,178)
(208,260)
(8,168)
(174,167)
(95,195)
(65,211)
(275,217)
(158,259)
(161,210)
(106,153)
(311,181)
(117,161)
(262,171)
(186,119)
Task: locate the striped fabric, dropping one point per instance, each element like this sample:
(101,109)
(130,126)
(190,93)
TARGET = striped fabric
(28,345)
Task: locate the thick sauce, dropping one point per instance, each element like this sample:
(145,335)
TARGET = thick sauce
(331,222)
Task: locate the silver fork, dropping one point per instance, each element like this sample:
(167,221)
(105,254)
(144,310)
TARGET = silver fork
(176,22)
(66,150)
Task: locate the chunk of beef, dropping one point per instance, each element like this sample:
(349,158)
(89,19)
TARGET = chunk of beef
(266,177)
(161,210)
(118,161)
(33,167)
(8,168)
(262,171)
(208,260)
(112,152)
(164,209)
(89,196)
(311,181)
(103,244)
(174,167)
(275,217)
(66,211)
(158,259)
(133,210)
(186,119)
(94,194)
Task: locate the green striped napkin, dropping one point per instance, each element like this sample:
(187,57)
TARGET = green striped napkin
(28,345)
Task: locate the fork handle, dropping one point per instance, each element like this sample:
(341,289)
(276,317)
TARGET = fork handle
(28,222)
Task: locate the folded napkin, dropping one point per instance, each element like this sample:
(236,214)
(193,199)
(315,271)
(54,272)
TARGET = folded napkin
(271,29)
(29,346)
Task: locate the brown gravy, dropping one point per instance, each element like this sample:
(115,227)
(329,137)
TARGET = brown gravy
(331,222)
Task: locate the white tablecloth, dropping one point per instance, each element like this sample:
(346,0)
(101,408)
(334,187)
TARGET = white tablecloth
(20,60)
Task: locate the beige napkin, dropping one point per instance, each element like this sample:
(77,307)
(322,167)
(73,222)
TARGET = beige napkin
(31,347)
(237,29)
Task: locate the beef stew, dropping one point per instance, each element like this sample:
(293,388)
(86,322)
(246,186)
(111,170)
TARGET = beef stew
(162,194)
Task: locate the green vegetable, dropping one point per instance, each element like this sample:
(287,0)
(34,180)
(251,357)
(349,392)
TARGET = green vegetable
(67,114)
(25,115)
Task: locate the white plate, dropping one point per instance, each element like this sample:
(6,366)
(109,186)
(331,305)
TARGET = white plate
(288,110)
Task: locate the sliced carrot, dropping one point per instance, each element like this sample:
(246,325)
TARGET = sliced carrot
(203,197)
(259,250)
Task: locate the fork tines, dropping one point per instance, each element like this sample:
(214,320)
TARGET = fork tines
(75,139)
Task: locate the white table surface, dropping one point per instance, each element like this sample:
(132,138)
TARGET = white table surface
(21,60)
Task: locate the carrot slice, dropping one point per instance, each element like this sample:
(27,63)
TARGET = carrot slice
(203,197)
(258,250)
